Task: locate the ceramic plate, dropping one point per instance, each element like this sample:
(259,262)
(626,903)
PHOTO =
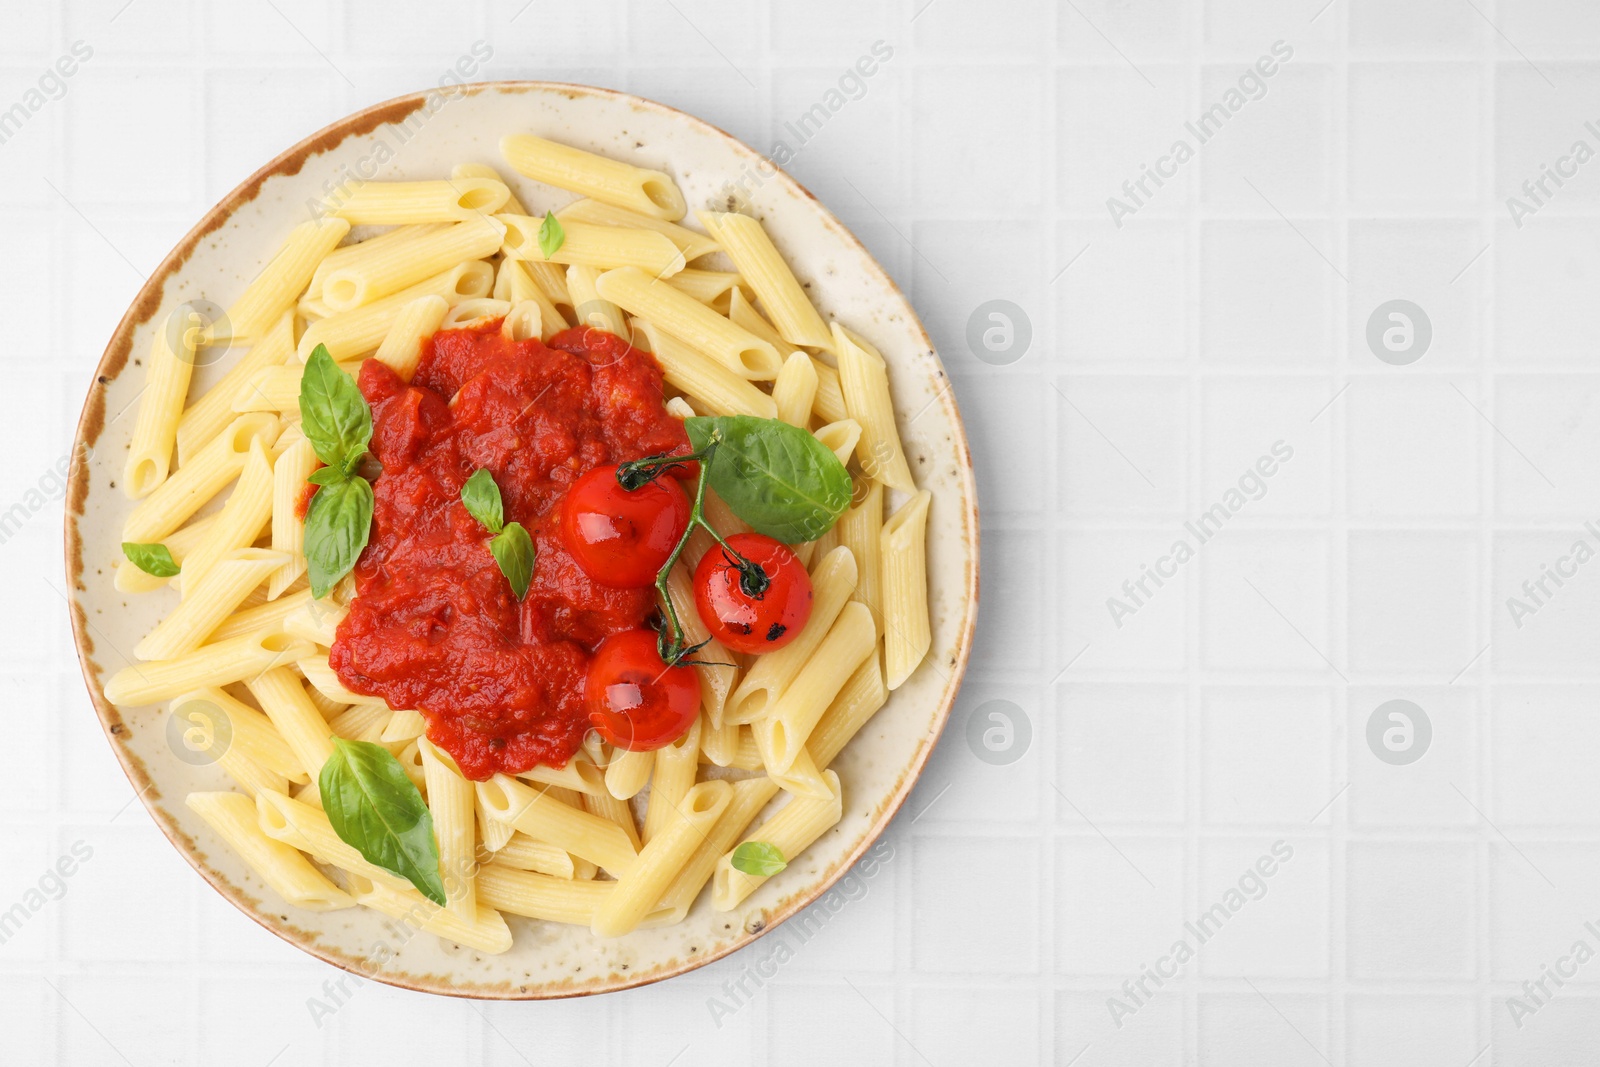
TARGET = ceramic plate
(422,136)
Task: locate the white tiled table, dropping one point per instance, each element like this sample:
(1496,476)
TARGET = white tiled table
(1165,756)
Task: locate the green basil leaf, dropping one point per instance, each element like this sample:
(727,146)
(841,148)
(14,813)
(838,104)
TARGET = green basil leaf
(776,477)
(337,525)
(333,413)
(551,235)
(326,476)
(150,558)
(513,550)
(375,809)
(758,858)
(482,499)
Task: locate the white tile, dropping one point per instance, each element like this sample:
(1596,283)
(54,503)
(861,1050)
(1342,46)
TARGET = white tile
(700,31)
(1121,751)
(382,1022)
(1542,739)
(1266,754)
(962,267)
(1410,1030)
(852,926)
(1412,599)
(30,893)
(960,31)
(1564,1028)
(588,1030)
(1138,1035)
(132,871)
(1100,148)
(1414,132)
(1539,902)
(1009,563)
(1124,445)
(998,401)
(975,1025)
(243,136)
(1417,27)
(725,1034)
(31,782)
(1546,601)
(1550,425)
(740,114)
(1422,793)
(1284,1029)
(1119,903)
(28,33)
(110,1019)
(297,28)
(1414,446)
(1123,299)
(1252,25)
(285,1015)
(414,27)
(978,151)
(1267,131)
(1409,910)
(838,29)
(1545,274)
(855,1030)
(954,886)
(1107,617)
(118,27)
(1265,293)
(1426,262)
(594,28)
(1537,131)
(1264,908)
(143,120)
(1107,29)
(25,160)
(978,790)
(27,1016)
(1264,603)
(226,934)
(1561,27)
(1258,440)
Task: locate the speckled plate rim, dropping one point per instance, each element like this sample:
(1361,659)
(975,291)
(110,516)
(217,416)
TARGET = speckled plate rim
(91,424)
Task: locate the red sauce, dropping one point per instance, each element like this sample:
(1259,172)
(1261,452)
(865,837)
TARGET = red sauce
(434,625)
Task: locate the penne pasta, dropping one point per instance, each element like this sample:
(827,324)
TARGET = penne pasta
(289,473)
(414,323)
(283,698)
(352,334)
(677,763)
(692,243)
(210,600)
(906,630)
(717,390)
(262,305)
(452,801)
(374,203)
(546,819)
(281,867)
(348,287)
(603,247)
(861,531)
(166,384)
(795,390)
(219,663)
(792,830)
(183,494)
(757,260)
(647,192)
(663,856)
(781,733)
(690,321)
(864,381)
(590,307)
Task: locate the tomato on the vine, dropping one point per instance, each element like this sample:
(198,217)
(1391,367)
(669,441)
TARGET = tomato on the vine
(753,621)
(621,537)
(636,701)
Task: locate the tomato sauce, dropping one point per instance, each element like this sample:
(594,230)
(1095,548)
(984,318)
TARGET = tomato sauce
(434,624)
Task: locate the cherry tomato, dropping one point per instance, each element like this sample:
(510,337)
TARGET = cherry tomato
(622,537)
(764,622)
(636,701)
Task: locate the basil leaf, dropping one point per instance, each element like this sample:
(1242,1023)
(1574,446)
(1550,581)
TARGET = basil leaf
(513,550)
(326,476)
(551,235)
(150,558)
(776,477)
(482,499)
(333,413)
(758,858)
(337,525)
(375,809)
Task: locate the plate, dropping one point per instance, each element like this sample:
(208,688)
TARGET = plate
(423,136)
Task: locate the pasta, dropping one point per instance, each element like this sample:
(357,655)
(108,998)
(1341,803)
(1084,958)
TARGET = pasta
(614,839)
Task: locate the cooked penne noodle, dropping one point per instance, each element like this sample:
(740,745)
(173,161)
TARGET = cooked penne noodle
(864,381)
(802,778)
(130,579)
(677,763)
(579,775)
(209,601)
(792,830)
(747,798)
(263,303)
(693,243)
(616,810)
(551,278)
(406,203)
(413,324)
(841,438)
(360,722)
(207,733)
(350,287)
(647,192)
(280,866)
(627,773)
(716,676)
(520,288)
(192,485)
(166,383)
(546,819)
(488,173)
(541,896)
(863,694)
(404,726)
(690,321)
(795,390)
(744,315)
(351,334)
(906,629)
(591,308)
(325,680)
(362,252)
(263,618)
(452,801)
(247,510)
(829,404)
(522,322)
(289,473)
(485,931)
(757,259)
(706,286)
(663,856)
(219,663)
(475,312)
(249,732)
(861,530)
(781,733)
(719,744)
(715,388)
(602,247)
(833,580)
(283,698)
